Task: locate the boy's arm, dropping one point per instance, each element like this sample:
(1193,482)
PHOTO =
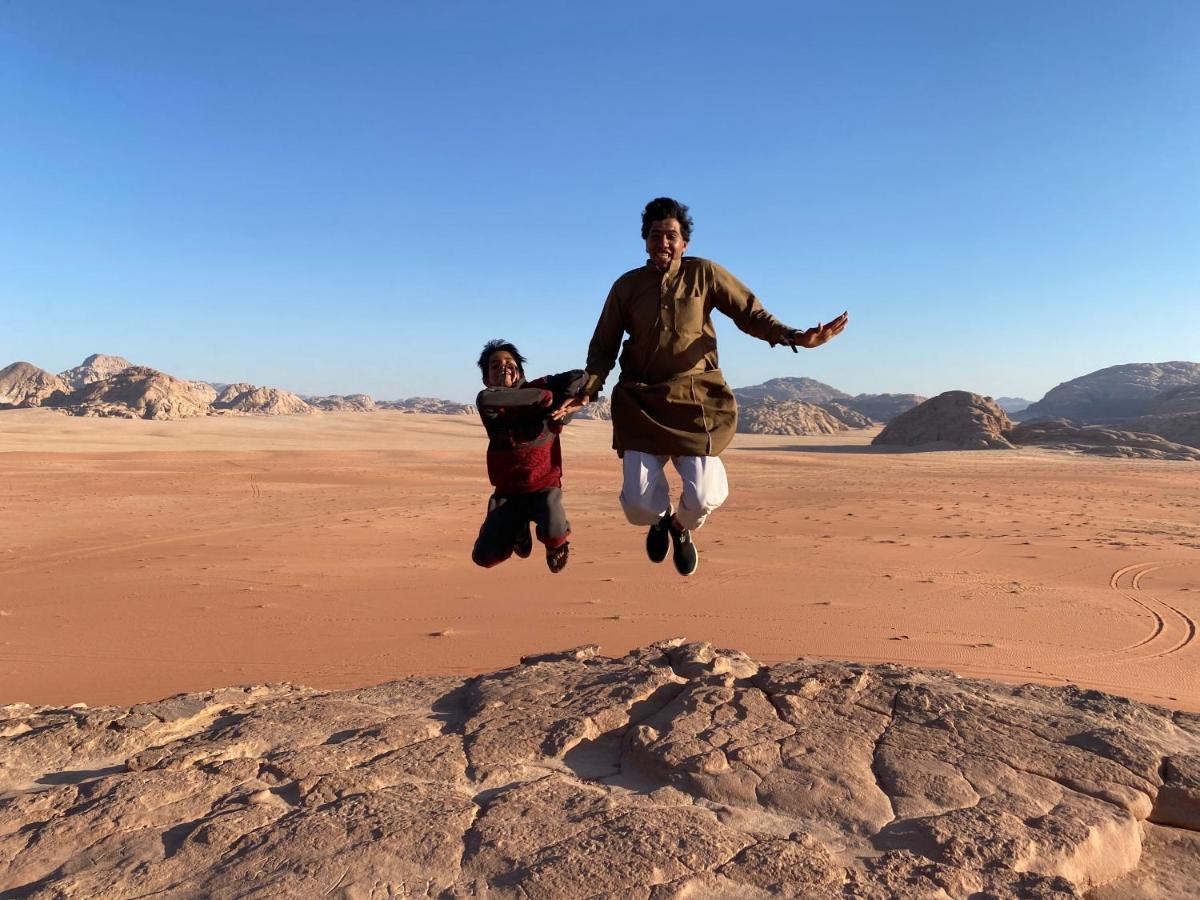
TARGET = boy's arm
(496,402)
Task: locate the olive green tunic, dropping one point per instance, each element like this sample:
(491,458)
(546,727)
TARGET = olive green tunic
(671,398)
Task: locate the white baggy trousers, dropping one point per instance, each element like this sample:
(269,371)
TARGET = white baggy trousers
(646,496)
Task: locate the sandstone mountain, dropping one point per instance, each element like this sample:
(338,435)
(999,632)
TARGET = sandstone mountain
(956,419)
(1099,440)
(137,392)
(96,367)
(600,408)
(846,414)
(884,407)
(1182,399)
(342,403)
(676,771)
(428,405)
(1012,404)
(1114,394)
(24,384)
(1181,427)
(266,401)
(807,389)
(788,417)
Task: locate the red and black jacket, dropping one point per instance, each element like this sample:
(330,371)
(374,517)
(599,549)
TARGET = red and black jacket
(523,452)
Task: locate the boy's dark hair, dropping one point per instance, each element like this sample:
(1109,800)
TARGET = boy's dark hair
(500,344)
(666,208)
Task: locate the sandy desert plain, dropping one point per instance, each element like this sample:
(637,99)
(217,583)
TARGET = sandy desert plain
(139,559)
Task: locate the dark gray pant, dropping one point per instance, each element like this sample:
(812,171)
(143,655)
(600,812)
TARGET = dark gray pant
(508,514)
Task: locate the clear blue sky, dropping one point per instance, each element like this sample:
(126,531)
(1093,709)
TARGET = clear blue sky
(339,197)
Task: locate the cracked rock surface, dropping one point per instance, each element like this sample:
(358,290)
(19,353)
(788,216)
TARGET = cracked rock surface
(677,771)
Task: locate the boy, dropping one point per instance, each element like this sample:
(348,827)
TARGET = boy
(524,459)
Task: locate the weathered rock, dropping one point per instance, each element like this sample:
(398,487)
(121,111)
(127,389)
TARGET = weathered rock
(1112,394)
(787,417)
(1178,428)
(428,405)
(808,390)
(600,408)
(342,403)
(95,368)
(263,401)
(1182,399)
(846,414)
(23,384)
(678,770)
(137,392)
(1097,440)
(884,407)
(957,419)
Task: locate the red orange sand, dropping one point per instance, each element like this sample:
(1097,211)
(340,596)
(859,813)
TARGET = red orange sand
(140,559)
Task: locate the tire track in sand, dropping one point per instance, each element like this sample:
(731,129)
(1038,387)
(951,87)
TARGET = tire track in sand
(1173,629)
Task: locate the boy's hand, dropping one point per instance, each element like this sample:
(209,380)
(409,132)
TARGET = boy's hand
(570,405)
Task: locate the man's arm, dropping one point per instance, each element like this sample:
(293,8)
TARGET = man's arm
(606,342)
(736,300)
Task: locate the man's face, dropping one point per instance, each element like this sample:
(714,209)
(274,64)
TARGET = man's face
(665,243)
(503,370)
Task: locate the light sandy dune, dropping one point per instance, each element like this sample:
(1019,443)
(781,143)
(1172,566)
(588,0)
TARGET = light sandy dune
(139,559)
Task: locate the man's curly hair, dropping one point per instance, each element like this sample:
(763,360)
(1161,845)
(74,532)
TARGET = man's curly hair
(666,208)
(500,344)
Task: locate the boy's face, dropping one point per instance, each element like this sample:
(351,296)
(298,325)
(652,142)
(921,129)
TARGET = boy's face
(502,370)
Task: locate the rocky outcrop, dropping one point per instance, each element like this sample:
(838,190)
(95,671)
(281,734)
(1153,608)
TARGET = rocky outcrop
(955,419)
(1182,399)
(1097,440)
(787,417)
(675,771)
(263,401)
(847,415)
(808,390)
(1114,394)
(23,384)
(1012,404)
(600,409)
(428,405)
(884,407)
(95,368)
(342,403)
(1179,428)
(137,392)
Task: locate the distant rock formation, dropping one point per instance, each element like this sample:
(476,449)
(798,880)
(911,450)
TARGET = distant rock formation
(675,771)
(23,384)
(1012,404)
(95,368)
(428,405)
(884,407)
(849,416)
(788,417)
(1182,399)
(1100,440)
(137,392)
(956,419)
(265,401)
(342,403)
(600,409)
(1114,394)
(1181,427)
(807,389)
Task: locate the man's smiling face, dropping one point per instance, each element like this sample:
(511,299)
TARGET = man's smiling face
(665,243)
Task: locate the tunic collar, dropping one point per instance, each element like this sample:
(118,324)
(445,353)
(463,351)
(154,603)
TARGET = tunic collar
(671,271)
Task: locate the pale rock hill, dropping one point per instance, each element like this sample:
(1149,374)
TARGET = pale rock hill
(264,401)
(428,405)
(95,368)
(675,771)
(846,414)
(807,389)
(599,409)
(342,403)
(958,419)
(1012,404)
(137,392)
(1179,428)
(884,407)
(787,417)
(24,384)
(1113,394)
(1099,440)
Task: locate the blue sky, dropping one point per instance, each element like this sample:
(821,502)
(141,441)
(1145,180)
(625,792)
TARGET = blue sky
(353,197)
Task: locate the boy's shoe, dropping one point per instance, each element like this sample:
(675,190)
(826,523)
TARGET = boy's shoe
(524,545)
(685,555)
(556,557)
(658,539)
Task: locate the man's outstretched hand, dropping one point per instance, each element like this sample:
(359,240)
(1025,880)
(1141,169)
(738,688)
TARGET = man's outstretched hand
(815,337)
(571,405)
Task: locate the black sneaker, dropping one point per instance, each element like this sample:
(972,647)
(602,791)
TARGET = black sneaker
(556,557)
(658,539)
(685,555)
(524,545)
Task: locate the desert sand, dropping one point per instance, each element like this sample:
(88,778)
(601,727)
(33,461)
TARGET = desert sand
(139,559)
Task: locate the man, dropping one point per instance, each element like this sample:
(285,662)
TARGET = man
(671,400)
